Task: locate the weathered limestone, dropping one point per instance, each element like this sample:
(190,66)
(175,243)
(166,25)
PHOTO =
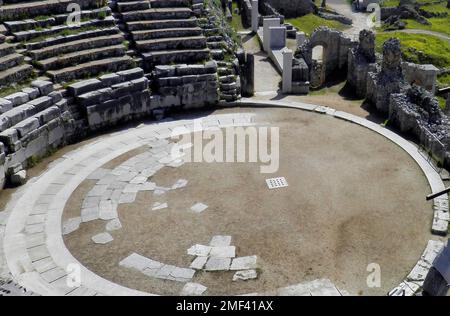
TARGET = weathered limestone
(267,24)
(421,75)
(361,60)
(390,77)
(416,111)
(287,70)
(113,98)
(335,47)
(255,15)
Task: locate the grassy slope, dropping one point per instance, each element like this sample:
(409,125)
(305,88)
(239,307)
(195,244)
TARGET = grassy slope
(310,22)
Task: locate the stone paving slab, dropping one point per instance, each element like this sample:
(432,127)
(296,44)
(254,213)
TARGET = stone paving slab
(71,225)
(193,289)
(223,252)
(199,250)
(220,241)
(218,264)
(198,263)
(244,263)
(199,207)
(102,238)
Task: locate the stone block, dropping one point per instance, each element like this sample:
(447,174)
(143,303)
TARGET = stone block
(131,74)
(27,126)
(83,87)
(33,93)
(5,105)
(45,87)
(18,98)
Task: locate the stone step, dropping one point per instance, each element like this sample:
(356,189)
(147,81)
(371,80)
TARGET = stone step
(6,49)
(217,54)
(216,45)
(70,38)
(74,46)
(10,61)
(161,24)
(90,69)
(191,56)
(28,24)
(24,36)
(224,71)
(166,33)
(173,43)
(80,57)
(157,14)
(17,11)
(132,6)
(169,3)
(15,74)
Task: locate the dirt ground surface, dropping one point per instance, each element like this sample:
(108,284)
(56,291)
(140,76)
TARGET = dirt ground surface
(354,198)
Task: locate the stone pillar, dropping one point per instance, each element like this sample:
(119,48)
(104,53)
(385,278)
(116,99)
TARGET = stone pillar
(268,23)
(248,76)
(277,38)
(255,16)
(300,37)
(287,70)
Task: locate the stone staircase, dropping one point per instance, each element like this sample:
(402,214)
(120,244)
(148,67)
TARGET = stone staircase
(164,31)
(60,46)
(12,67)
(173,50)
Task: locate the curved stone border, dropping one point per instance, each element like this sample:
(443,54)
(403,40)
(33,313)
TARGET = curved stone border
(33,245)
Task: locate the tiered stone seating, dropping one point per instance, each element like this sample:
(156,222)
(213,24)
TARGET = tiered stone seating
(164,31)
(12,67)
(65,51)
(31,123)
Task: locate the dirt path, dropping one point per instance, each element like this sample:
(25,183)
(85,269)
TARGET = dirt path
(359,18)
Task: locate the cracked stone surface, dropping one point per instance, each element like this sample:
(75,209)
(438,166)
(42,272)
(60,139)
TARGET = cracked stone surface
(245,275)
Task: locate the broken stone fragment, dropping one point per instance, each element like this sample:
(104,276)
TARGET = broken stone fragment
(19,178)
(245,275)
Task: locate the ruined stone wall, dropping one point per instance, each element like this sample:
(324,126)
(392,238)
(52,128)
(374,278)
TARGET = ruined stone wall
(336,47)
(361,60)
(186,86)
(417,112)
(291,8)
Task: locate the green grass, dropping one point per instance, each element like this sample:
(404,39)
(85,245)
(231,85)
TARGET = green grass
(390,3)
(308,23)
(236,23)
(441,25)
(419,48)
(436,8)
(442,102)
(444,80)
(15,88)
